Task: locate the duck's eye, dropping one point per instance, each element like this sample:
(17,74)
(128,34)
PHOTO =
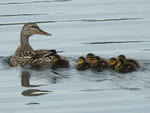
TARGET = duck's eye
(35,27)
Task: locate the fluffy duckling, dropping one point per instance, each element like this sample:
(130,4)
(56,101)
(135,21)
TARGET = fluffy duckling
(112,62)
(82,64)
(124,67)
(104,63)
(97,65)
(133,61)
(58,62)
(89,58)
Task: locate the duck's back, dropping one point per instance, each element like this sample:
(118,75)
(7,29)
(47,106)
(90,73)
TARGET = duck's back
(83,66)
(61,63)
(20,61)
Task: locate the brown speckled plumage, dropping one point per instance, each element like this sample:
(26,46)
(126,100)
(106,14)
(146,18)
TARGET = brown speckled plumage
(25,55)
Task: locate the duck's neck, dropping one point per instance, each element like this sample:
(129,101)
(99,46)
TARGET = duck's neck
(25,42)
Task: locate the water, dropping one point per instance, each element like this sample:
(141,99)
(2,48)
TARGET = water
(106,28)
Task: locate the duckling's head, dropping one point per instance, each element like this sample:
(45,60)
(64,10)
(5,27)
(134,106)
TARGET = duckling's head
(30,29)
(81,60)
(90,57)
(121,61)
(95,60)
(55,58)
(112,61)
(121,57)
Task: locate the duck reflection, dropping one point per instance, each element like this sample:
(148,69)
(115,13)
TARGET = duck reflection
(34,92)
(25,82)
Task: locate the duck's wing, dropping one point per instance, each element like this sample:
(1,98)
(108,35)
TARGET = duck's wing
(42,53)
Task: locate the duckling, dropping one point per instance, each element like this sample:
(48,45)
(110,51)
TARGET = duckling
(58,62)
(96,64)
(89,58)
(133,61)
(103,62)
(124,67)
(112,62)
(82,64)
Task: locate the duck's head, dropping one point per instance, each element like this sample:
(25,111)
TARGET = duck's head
(90,57)
(112,61)
(55,58)
(30,29)
(81,60)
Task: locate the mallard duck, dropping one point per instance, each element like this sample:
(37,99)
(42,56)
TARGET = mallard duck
(89,58)
(82,64)
(133,61)
(124,67)
(96,64)
(58,62)
(112,63)
(24,54)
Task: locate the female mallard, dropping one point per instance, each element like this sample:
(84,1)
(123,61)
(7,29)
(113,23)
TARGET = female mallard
(24,54)
(133,61)
(124,67)
(97,65)
(82,64)
(112,63)
(58,62)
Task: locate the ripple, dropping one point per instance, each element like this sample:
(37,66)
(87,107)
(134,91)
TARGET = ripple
(33,2)
(32,103)
(122,88)
(81,20)
(115,42)
(16,15)
(113,19)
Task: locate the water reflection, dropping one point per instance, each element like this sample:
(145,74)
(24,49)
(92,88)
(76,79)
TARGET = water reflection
(34,92)
(53,76)
(25,82)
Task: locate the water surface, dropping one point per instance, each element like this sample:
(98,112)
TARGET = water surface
(106,28)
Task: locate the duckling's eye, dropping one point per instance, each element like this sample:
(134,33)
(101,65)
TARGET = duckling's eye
(95,60)
(112,62)
(80,61)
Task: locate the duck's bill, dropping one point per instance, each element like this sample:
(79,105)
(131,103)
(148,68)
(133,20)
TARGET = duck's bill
(41,32)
